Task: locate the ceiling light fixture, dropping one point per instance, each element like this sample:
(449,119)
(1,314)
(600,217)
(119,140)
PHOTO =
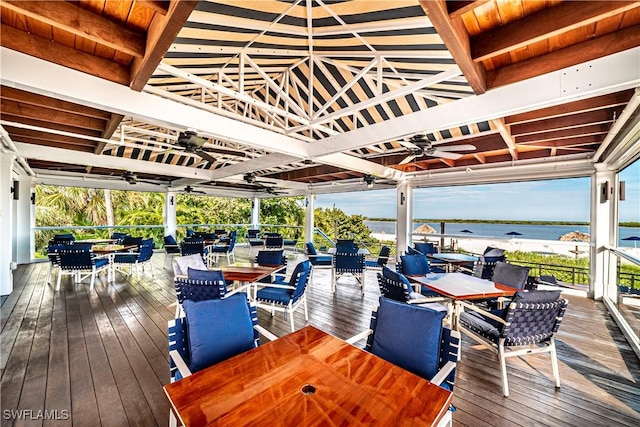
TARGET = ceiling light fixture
(370,180)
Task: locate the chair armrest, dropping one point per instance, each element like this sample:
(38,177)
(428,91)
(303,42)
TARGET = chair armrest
(426,300)
(464,269)
(243,288)
(265,333)
(354,339)
(181,276)
(180,364)
(485,313)
(443,373)
(271,285)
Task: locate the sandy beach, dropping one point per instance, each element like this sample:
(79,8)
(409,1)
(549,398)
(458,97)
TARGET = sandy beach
(478,244)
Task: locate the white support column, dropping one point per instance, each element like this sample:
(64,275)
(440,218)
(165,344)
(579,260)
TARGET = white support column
(404,216)
(6,224)
(255,212)
(603,231)
(25,218)
(309,218)
(170,224)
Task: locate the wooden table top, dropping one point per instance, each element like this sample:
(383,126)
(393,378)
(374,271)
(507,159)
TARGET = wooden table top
(266,386)
(453,258)
(247,272)
(108,249)
(461,286)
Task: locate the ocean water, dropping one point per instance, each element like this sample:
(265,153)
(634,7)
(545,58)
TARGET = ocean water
(537,232)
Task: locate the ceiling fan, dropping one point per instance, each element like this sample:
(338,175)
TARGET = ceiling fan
(133,179)
(190,190)
(420,145)
(189,142)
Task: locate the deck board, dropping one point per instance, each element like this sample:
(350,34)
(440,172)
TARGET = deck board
(102,355)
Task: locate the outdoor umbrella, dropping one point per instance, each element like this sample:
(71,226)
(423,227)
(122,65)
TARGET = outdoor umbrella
(513,233)
(466,231)
(635,240)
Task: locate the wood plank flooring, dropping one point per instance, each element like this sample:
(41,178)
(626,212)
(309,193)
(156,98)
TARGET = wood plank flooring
(99,357)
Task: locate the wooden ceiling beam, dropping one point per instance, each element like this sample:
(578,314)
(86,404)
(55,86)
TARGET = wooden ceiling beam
(62,55)
(599,129)
(51,140)
(543,25)
(456,39)
(563,122)
(505,133)
(51,116)
(109,129)
(600,47)
(159,6)
(31,98)
(580,141)
(457,7)
(49,125)
(82,23)
(161,33)
(599,102)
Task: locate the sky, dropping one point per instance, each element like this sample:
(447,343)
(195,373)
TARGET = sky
(550,200)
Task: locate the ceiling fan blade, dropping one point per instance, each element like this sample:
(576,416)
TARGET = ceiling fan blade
(224,151)
(206,156)
(463,147)
(445,155)
(408,159)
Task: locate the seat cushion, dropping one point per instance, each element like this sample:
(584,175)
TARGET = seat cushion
(217,330)
(408,336)
(481,325)
(415,265)
(170,240)
(101,262)
(184,262)
(277,295)
(125,259)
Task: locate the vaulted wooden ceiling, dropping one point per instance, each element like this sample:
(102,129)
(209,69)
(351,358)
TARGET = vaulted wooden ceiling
(311,71)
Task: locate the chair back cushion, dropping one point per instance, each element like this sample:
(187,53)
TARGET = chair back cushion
(425,247)
(415,265)
(490,251)
(182,264)
(64,238)
(169,240)
(383,255)
(510,274)
(217,330)
(274,241)
(270,258)
(348,262)
(300,279)
(408,336)
(311,250)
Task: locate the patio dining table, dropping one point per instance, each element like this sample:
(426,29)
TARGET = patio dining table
(307,377)
(460,287)
(453,260)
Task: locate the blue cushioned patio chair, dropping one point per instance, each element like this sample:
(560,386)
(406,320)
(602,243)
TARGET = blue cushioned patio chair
(428,248)
(526,326)
(227,249)
(63,238)
(192,245)
(118,237)
(273,259)
(199,285)
(346,246)
(397,287)
(317,259)
(285,298)
(485,265)
(274,241)
(415,263)
(140,257)
(504,273)
(171,248)
(79,259)
(253,238)
(414,338)
(383,258)
(212,331)
(348,263)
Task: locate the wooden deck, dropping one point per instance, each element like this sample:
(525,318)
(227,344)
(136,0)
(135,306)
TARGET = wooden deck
(100,356)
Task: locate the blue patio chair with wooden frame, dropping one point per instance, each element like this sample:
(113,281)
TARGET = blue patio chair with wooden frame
(526,326)
(212,331)
(227,249)
(54,258)
(171,248)
(79,261)
(346,246)
(192,245)
(415,263)
(136,259)
(285,298)
(413,338)
(428,248)
(317,259)
(199,285)
(381,261)
(350,263)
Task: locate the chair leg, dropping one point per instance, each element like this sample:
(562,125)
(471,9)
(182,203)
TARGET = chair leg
(93,278)
(291,319)
(151,266)
(59,278)
(306,312)
(503,370)
(554,362)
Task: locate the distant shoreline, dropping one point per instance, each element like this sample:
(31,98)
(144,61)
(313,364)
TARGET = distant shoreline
(502,221)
